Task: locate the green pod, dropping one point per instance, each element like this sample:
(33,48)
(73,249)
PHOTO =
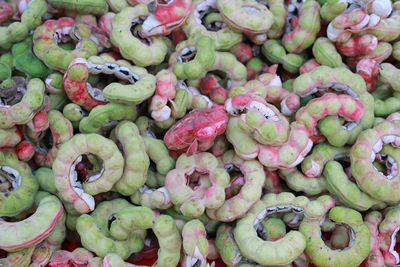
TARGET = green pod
(331,9)
(95,7)
(26,61)
(136,160)
(192,69)
(346,191)
(226,245)
(95,236)
(104,116)
(325,53)
(23,182)
(298,182)
(26,108)
(158,153)
(130,46)
(36,228)
(45,178)
(321,255)
(9,137)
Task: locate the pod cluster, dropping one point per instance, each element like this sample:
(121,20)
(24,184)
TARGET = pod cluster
(248,132)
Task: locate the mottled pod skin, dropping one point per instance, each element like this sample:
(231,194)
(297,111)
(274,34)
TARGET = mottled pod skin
(275,52)
(267,125)
(388,229)
(313,164)
(23,183)
(388,28)
(321,78)
(224,38)
(304,33)
(195,243)
(226,245)
(131,46)
(97,7)
(197,130)
(362,155)
(9,137)
(74,113)
(249,17)
(19,258)
(299,182)
(77,256)
(136,160)
(18,31)
(193,202)
(66,177)
(37,227)
(192,69)
(104,116)
(135,218)
(61,131)
(250,192)
(95,234)
(23,111)
(346,191)
(290,246)
(375,257)
(320,254)
(278,9)
(47,35)
(166,17)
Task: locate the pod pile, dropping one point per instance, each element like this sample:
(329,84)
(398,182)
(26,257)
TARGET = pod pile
(198,130)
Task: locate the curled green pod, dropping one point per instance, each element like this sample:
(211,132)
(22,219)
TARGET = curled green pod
(136,160)
(17,183)
(387,101)
(26,61)
(274,51)
(105,172)
(326,54)
(209,192)
(135,218)
(95,7)
(130,46)
(346,191)
(95,235)
(36,228)
(313,164)
(186,67)
(342,79)
(290,246)
(226,62)
(158,153)
(105,116)
(249,193)
(195,243)
(224,37)
(370,144)
(18,31)
(320,254)
(299,182)
(74,113)
(23,111)
(46,48)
